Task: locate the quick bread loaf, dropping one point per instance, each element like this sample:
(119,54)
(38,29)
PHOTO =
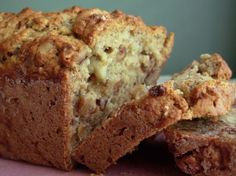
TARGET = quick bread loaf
(200,90)
(80,86)
(63,73)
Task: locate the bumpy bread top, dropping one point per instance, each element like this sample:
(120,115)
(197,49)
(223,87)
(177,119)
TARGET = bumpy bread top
(207,69)
(48,42)
(215,66)
(204,84)
(26,37)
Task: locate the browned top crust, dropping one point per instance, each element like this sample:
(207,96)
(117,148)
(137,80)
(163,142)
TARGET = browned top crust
(48,55)
(208,65)
(215,66)
(25,35)
(91,22)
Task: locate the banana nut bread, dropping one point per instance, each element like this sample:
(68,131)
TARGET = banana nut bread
(163,106)
(205,147)
(62,73)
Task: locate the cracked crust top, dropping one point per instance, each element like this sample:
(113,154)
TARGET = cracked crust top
(71,31)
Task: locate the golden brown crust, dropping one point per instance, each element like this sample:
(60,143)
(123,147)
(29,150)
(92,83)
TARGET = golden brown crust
(28,26)
(212,98)
(204,147)
(215,66)
(91,22)
(131,124)
(34,121)
(50,55)
(79,25)
(205,87)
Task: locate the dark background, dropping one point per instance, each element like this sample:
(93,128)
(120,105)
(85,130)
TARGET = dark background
(202,26)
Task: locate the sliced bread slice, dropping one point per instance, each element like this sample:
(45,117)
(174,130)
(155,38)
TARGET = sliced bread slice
(163,106)
(205,147)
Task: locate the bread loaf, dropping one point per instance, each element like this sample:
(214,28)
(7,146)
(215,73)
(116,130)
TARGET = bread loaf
(63,73)
(77,85)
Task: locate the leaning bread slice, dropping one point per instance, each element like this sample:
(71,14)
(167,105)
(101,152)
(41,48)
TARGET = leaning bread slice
(163,106)
(132,123)
(204,147)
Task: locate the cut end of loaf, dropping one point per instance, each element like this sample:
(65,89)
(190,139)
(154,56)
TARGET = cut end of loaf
(120,68)
(126,56)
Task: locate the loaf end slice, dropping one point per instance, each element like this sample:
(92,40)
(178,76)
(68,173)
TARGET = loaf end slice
(205,147)
(129,125)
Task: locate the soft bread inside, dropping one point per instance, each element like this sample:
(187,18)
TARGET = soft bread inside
(124,60)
